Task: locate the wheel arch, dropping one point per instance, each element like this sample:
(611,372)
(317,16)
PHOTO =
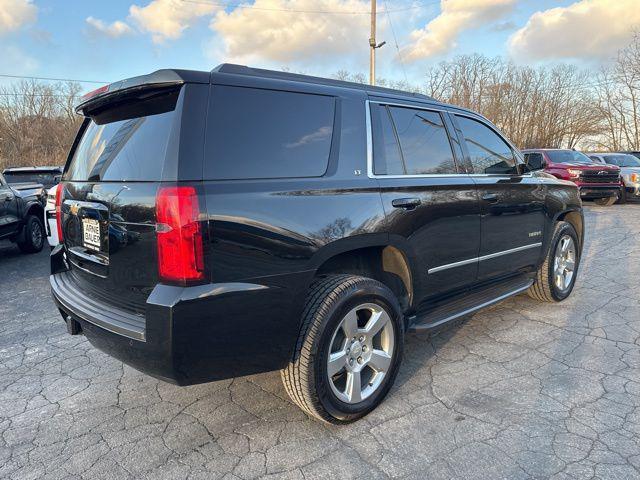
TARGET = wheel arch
(576,219)
(373,257)
(35,209)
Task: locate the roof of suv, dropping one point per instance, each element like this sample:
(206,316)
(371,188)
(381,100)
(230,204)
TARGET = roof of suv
(169,77)
(234,69)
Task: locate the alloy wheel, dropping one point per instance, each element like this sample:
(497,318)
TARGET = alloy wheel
(360,353)
(564,263)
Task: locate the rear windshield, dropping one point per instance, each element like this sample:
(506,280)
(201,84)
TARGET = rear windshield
(568,156)
(126,142)
(46,179)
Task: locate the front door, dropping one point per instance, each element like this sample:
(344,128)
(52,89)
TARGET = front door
(512,203)
(432,208)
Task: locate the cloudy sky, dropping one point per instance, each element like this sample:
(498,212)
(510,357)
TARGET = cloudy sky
(110,40)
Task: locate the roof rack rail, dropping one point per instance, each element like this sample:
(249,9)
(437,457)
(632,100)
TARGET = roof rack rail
(230,68)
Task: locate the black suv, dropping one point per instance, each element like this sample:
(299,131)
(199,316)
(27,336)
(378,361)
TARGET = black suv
(219,224)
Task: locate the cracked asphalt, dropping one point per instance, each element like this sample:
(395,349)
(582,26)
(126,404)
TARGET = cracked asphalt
(520,390)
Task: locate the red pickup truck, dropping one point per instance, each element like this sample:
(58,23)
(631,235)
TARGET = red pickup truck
(600,183)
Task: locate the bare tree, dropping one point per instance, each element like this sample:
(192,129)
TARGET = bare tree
(618,92)
(37,122)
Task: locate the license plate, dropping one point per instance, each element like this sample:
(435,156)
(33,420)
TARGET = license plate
(91,233)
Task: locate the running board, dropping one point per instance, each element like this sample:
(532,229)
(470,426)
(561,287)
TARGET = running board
(436,315)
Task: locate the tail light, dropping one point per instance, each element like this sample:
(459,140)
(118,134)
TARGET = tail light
(59,194)
(180,251)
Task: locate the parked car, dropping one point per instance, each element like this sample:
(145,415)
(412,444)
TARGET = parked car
(630,168)
(599,183)
(21,214)
(286,222)
(48,177)
(634,153)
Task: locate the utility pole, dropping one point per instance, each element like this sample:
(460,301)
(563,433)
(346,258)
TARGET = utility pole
(373,45)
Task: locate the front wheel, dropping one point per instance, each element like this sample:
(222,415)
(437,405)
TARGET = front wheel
(606,202)
(557,275)
(34,236)
(623,195)
(349,348)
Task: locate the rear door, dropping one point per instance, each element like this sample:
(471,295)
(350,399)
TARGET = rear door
(512,203)
(431,205)
(122,156)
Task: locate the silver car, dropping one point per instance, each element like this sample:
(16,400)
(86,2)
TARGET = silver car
(629,171)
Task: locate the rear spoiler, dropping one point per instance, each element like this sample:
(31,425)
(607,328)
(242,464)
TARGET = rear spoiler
(159,80)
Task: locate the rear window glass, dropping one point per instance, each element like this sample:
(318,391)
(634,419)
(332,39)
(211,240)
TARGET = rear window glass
(254,133)
(132,149)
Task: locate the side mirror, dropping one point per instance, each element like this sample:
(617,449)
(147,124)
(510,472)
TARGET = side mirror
(535,162)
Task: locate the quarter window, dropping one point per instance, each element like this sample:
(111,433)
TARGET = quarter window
(255,133)
(421,136)
(388,159)
(488,152)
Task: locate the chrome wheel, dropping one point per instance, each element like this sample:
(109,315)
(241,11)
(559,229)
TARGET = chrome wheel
(360,353)
(564,263)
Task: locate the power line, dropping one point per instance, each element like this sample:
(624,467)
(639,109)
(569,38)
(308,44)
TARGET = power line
(395,39)
(291,10)
(5,75)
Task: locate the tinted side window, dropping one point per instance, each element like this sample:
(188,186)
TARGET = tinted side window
(423,141)
(255,133)
(387,159)
(488,152)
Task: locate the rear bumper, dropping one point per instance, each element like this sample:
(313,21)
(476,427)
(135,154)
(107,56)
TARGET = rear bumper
(195,334)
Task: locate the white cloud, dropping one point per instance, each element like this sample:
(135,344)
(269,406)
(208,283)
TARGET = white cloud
(167,19)
(265,32)
(440,34)
(14,14)
(587,28)
(114,30)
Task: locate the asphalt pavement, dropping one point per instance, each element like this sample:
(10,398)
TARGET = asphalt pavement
(520,390)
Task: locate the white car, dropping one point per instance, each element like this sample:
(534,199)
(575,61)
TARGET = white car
(50,217)
(629,171)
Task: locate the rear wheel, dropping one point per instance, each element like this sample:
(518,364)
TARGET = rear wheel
(33,235)
(606,202)
(557,275)
(348,351)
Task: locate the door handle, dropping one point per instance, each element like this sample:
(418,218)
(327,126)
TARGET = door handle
(490,198)
(8,197)
(406,203)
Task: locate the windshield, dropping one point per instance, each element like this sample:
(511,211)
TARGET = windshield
(47,180)
(568,156)
(622,160)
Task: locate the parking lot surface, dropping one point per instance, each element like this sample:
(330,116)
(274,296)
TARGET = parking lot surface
(520,390)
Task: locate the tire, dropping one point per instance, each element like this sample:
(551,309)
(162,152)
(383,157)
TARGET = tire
(622,199)
(606,202)
(545,288)
(331,301)
(34,235)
